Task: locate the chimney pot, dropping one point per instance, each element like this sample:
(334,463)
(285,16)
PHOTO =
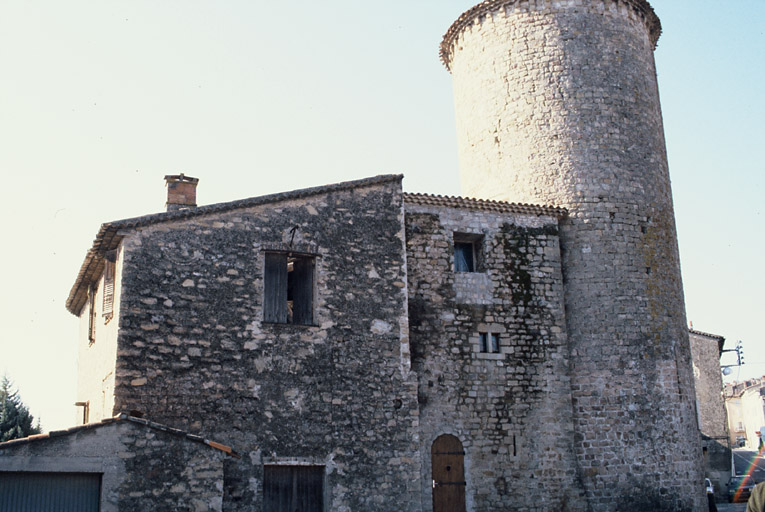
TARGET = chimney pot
(181,192)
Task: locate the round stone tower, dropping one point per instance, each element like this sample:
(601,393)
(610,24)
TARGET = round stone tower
(557,103)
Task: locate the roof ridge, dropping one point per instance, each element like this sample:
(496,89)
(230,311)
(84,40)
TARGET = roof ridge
(707,334)
(483,204)
(108,236)
(122,417)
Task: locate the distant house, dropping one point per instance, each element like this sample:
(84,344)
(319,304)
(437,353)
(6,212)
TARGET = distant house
(746,410)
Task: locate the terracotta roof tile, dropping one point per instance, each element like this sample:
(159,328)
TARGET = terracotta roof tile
(483,204)
(706,334)
(121,418)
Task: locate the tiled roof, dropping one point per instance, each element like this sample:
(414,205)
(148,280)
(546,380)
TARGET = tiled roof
(706,334)
(483,204)
(121,418)
(466,19)
(720,339)
(110,234)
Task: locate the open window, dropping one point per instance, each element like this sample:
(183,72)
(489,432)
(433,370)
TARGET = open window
(288,288)
(467,252)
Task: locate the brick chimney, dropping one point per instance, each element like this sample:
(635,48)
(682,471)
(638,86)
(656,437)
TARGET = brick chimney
(181,192)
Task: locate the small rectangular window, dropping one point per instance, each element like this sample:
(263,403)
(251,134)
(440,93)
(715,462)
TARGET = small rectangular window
(288,289)
(467,250)
(293,488)
(488,342)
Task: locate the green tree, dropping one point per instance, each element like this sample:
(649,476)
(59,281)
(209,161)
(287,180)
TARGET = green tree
(15,419)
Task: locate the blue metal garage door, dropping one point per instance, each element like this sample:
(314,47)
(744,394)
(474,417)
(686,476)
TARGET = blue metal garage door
(49,492)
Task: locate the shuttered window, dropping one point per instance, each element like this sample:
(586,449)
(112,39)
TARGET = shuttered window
(275,288)
(293,488)
(288,287)
(110,259)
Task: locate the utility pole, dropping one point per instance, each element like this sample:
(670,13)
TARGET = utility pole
(739,350)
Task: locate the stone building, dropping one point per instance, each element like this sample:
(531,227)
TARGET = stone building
(706,350)
(368,349)
(120,463)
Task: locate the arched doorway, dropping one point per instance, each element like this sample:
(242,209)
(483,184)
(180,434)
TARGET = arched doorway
(448,461)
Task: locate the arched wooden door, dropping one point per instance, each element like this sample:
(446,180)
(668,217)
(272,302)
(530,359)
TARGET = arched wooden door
(448,460)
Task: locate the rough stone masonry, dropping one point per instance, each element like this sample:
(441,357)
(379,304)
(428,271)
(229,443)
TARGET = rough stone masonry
(557,103)
(369,350)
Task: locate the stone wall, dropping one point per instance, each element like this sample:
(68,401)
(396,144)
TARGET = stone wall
(144,469)
(713,421)
(195,351)
(705,349)
(557,103)
(511,409)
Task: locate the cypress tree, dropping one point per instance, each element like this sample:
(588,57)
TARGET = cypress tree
(15,419)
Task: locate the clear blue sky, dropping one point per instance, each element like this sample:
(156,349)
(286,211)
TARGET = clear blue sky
(99,100)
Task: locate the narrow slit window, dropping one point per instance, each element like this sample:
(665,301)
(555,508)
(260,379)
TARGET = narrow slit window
(288,289)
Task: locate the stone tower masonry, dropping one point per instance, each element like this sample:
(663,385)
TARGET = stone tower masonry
(557,103)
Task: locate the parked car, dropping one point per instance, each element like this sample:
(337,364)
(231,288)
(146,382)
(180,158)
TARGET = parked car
(740,488)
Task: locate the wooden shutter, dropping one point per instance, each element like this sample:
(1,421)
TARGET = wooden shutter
(293,488)
(275,288)
(110,259)
(302,291)
(91,314)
